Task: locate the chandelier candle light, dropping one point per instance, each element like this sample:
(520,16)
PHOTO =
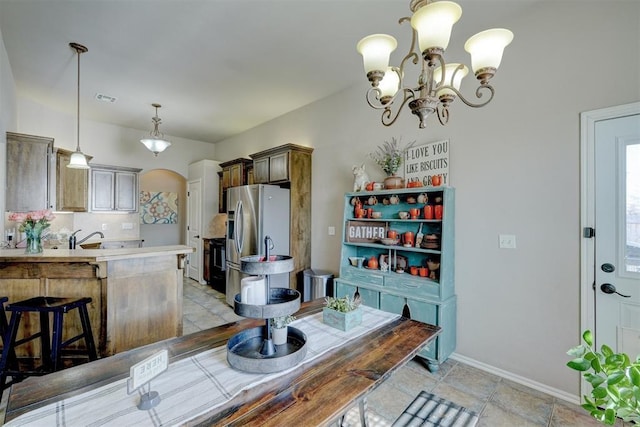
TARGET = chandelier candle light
(155,142)
(439,82)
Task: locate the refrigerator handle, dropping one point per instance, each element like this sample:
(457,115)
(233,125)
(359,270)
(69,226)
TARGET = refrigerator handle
(238,231)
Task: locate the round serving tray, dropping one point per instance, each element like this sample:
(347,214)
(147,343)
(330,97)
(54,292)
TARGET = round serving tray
(282,301)
(256,265)
(243,351)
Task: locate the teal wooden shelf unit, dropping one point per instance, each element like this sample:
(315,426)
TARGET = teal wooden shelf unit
(395,284)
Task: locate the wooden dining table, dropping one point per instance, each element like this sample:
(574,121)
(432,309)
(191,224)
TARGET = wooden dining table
(314,393)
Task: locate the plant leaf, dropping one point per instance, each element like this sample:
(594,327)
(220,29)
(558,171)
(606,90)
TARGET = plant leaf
(615,377)
(579,364)
(587,336)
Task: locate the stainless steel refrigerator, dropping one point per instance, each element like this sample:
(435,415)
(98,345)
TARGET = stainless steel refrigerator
(253,212)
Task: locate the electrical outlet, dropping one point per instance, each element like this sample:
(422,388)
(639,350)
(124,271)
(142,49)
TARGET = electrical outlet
(332,231)
(127,226)
(507,241)
(105,227)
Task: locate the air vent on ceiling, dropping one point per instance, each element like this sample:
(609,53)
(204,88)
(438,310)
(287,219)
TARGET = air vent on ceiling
(105,98)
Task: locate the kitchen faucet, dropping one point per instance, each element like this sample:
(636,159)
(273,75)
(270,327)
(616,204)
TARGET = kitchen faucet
(72,238)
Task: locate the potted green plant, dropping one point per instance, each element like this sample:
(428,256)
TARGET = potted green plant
(615,381)
(389,157)
(342,313)
(279,328)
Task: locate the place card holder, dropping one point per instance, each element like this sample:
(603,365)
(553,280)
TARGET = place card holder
(142,373)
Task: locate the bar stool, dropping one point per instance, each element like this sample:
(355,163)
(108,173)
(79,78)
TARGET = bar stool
(51,343)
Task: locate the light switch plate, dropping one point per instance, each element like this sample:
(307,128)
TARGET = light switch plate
(332,231)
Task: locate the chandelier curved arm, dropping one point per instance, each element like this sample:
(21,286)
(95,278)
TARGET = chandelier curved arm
(388,115)
(443,113)
(479,94)
(412,54)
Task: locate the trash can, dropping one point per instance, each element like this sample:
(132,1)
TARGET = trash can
(317,284)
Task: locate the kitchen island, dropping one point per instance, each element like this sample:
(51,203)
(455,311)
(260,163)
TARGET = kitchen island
(136,292)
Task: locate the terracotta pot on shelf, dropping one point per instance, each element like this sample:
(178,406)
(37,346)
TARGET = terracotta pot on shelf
(393,181)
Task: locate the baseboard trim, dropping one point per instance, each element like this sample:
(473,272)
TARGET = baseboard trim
(517,379)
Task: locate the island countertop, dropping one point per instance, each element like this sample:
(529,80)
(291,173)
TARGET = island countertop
(136,293)
(85,255)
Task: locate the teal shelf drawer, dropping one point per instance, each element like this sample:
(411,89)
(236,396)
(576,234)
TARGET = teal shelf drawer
(413,286)
(417,310)
(362,275)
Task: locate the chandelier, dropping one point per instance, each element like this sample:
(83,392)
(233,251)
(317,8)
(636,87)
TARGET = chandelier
(155,142)
(438,83)
(77,159)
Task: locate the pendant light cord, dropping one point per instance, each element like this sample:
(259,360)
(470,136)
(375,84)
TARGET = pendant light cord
(78,106)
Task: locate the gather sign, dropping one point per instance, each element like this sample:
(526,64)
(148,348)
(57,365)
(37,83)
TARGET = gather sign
(365,231)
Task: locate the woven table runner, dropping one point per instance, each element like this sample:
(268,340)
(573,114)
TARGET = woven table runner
(189,387)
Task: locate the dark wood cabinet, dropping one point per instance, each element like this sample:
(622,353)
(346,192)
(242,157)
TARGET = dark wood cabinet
(28,178)
(234,173)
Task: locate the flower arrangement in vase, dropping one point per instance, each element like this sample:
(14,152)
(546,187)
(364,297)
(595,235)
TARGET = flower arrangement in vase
(342,313)
(279,328)
(389,157)
(33,225)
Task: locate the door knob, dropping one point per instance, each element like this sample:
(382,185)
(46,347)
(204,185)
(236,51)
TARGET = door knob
(608,288)
(196,237)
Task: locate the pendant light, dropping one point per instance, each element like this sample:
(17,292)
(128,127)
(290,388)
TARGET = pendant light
(155,142)
(78,160)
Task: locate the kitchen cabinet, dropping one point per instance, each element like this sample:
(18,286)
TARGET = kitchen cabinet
(72,185)
(234,174)
(114,188)
(28,173)
(389,276)
(289,166)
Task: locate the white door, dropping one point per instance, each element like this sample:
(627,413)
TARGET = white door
(194,228)
(617,233)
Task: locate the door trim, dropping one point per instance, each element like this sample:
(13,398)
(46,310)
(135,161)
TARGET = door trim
(588,121)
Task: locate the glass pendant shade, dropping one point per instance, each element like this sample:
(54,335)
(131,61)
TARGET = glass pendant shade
(449,79)
(375,50)
(78,161)
(155,142)
(389,83)
(486,48)
(434,22)
(155,145)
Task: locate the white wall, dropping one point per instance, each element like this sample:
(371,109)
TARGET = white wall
(515,165)
(7,118)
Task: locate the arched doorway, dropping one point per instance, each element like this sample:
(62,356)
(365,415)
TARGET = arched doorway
(163,202)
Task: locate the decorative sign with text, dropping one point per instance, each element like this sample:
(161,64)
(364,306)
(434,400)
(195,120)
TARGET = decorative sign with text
(423,162)
(366,231)
(143,372)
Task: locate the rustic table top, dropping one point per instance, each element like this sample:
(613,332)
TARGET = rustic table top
(318,392)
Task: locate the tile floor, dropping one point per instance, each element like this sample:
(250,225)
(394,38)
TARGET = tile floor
(499,402)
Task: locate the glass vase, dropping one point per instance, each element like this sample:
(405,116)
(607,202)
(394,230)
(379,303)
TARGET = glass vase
(34,242)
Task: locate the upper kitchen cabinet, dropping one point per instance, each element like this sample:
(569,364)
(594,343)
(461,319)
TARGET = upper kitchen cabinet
(72,185)
(235,173)
(28,172)
(285,163)
(114,188)
(289,166)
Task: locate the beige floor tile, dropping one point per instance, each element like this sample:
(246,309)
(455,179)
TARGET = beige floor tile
(526,403)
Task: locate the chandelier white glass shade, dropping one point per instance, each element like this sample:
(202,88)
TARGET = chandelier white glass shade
(155,142)
(439,83)
(77,159)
